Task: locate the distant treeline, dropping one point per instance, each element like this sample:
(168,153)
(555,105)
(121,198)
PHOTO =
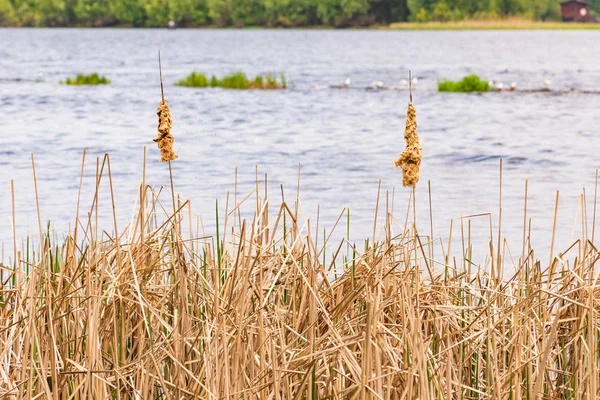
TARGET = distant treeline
(271,13)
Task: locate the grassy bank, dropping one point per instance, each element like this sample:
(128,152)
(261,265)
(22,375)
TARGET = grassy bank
(506,24)
(161,309)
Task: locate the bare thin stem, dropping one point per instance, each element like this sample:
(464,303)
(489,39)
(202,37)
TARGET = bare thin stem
(410,84)
(162,91)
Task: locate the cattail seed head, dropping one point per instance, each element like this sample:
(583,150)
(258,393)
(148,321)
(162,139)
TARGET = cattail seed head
(410,159)
(165,139)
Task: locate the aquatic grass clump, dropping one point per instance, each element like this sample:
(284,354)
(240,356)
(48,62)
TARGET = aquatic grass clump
(82,79)
(470,83)
(237,80)
(194,80)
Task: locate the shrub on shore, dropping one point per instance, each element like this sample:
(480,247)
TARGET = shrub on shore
(237,80)
(470,83)
(91,79)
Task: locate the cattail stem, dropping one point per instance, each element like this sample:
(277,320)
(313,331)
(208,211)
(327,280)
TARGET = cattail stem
(162,90)
(172,190)
(409,84)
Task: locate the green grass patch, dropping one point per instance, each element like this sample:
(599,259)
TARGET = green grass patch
(82,79)
(468,84)
(500,24)
(237,80)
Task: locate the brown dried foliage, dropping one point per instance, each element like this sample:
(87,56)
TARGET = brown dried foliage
(158,313)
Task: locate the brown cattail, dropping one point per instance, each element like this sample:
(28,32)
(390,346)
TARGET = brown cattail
(410,159)
(165,139)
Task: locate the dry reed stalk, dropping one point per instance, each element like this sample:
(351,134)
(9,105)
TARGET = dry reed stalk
(257,313)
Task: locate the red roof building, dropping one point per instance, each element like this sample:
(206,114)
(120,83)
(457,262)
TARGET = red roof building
(575,11)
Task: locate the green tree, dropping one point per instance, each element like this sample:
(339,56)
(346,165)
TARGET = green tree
(388,11)
(128,12)
(247,12)
(414,6)
(274,12)
(157,12)
(290,13)
(536,9)
(92,12)
(7,13)
(422,16)
(467,7)
(595,5)
(511,7)
(219,11)
(293,12)
(182,12)
(197,14)
(50,12)
(25,12)
(341,12)
(552,11)
(441,12)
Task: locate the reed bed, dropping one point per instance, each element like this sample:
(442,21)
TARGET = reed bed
(267,308)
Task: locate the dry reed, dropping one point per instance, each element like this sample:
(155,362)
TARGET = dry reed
(160,310)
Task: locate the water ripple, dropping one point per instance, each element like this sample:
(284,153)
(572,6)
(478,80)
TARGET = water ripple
(344,140)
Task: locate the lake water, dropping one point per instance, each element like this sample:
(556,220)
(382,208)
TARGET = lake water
(344,140)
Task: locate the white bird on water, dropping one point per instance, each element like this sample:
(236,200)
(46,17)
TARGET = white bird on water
(377,84)
(347,82)
(403,82)
(548,82)
(415,80)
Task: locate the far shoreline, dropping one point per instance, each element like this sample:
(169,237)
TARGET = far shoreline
(464,25)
